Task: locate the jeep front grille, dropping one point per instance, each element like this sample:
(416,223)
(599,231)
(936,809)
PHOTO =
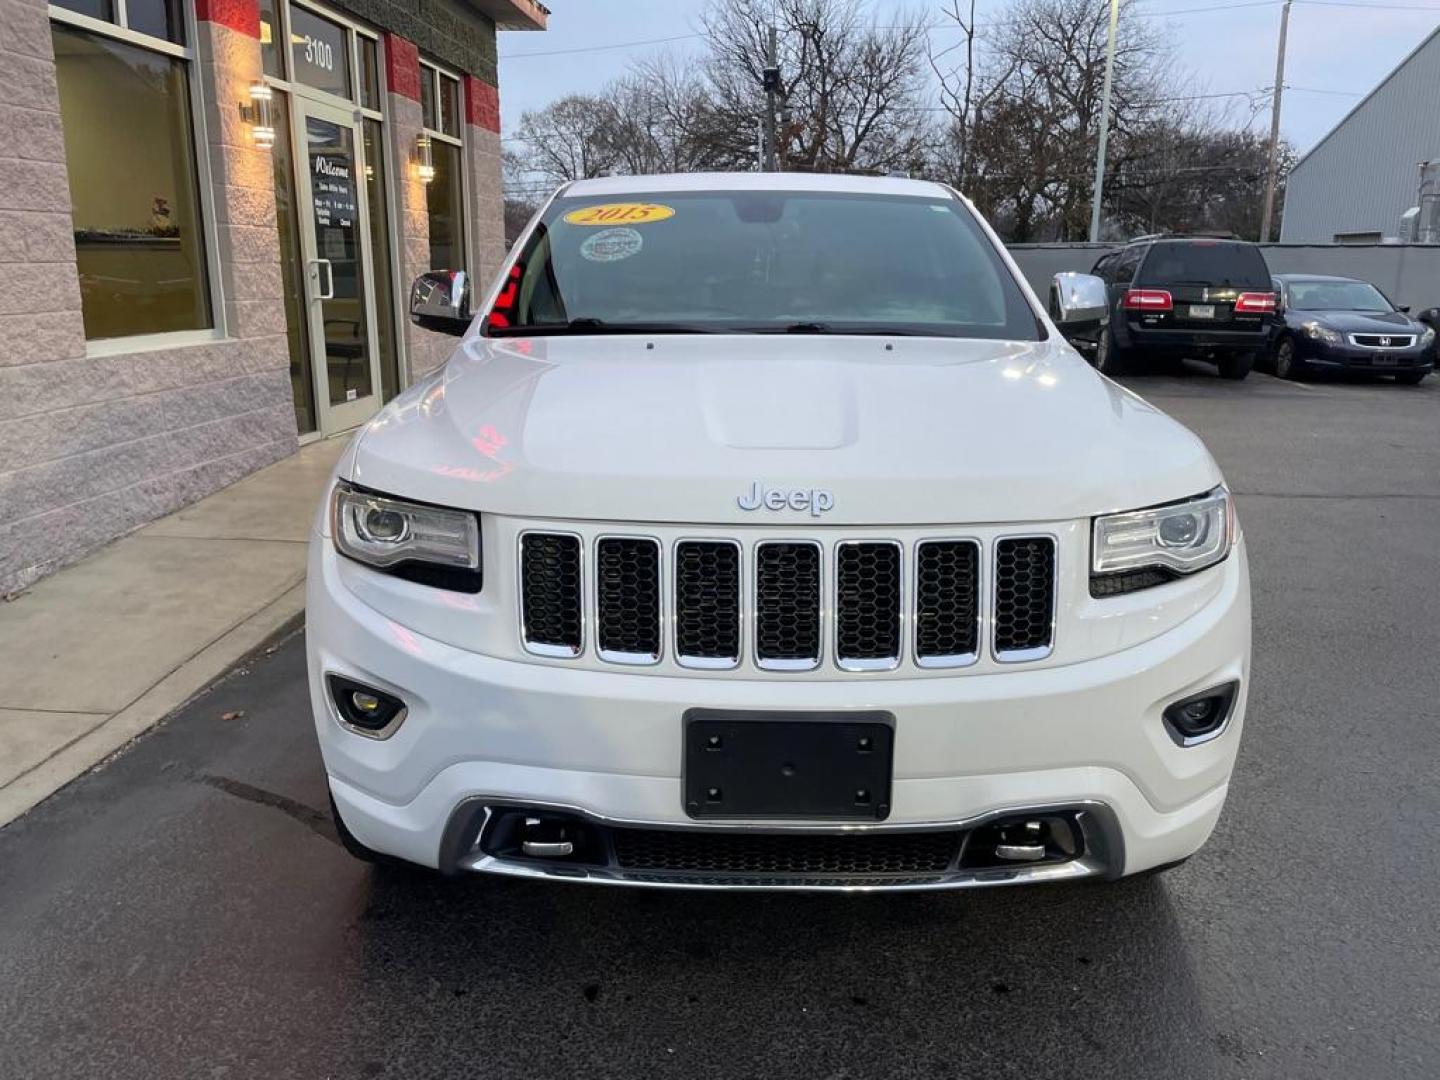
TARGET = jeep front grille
(788,605)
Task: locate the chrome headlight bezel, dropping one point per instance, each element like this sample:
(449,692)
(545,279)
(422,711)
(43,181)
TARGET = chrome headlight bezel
(1138,549)
(1317,332)
(431,545)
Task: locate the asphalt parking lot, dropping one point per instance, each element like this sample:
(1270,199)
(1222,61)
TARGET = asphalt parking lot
(185,911)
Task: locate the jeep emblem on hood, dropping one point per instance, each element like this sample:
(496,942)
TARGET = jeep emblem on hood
(816,500)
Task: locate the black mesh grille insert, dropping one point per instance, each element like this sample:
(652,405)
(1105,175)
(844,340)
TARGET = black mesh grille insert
(1024,593)
(787,602)
(851,855)
(947,585)
(867,601)
(627,570)
(550,590)
(707,600)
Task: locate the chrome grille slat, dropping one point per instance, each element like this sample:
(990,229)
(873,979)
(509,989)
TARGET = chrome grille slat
(627,599)
(708,605)
(868,604)
(551,594)
(947,603)
(787,605)
(1024,601)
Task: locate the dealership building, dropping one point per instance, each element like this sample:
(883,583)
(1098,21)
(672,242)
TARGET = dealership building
(209,214)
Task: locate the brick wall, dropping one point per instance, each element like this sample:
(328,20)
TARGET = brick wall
(486,208)
(92,446)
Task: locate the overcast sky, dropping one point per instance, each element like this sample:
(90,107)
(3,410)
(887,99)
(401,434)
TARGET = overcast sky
(1338,49)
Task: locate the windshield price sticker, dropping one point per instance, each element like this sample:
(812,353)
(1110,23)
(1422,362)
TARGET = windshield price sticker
(620,214)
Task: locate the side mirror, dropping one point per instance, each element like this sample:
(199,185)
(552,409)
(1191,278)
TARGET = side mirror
(440,301)
(1403,308)
(1079,301)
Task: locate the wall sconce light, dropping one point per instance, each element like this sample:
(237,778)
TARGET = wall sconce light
(259,113)
(424,159)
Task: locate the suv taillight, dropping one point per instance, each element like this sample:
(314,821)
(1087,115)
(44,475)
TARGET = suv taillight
(1147,300)
(1255,303)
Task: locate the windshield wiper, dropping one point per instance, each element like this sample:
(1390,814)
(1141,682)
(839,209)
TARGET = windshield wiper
(810,327)
(588,324)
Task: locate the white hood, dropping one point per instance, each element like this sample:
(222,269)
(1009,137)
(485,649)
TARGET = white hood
(675,429)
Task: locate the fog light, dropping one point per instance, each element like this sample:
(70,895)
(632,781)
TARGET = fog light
(364,709)
(1200,717)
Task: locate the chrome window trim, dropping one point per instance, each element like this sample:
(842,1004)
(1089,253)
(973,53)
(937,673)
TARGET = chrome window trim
(958,660)
(537,648)
(879,663)
(1022,656)
(709,663)
(1397,341)
(611,656)
(788,664)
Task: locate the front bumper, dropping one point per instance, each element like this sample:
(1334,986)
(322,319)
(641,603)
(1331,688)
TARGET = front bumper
(1371,361)
(482,731)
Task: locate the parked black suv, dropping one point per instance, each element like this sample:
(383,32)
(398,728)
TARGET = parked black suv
(1197,296)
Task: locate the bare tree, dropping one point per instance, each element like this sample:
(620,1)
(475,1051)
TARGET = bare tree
(569,139)
(851,93)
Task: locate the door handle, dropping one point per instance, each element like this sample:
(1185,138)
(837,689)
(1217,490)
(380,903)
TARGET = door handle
(329,291)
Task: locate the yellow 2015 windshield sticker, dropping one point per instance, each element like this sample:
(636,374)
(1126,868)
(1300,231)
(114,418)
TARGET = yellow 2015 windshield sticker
(620,213)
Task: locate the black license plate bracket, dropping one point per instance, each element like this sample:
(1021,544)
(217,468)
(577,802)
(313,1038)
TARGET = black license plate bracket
(820,766)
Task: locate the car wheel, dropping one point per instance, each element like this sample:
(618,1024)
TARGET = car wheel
(1410,378)
(1236,365)
(1286,365)
(1109,357)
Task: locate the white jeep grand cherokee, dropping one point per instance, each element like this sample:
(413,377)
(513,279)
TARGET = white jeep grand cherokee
(763,532)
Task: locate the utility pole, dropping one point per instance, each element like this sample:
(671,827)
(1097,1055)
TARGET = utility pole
(1105,120)
(771,82)
(1275,126)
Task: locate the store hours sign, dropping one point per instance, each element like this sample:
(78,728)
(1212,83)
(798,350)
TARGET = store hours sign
(332,187)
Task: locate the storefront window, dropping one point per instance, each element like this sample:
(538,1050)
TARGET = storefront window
(369,72)
(270,33)
(445,194)
(163,19)
(319,52)
(377,196)
(287,218)
(134,187)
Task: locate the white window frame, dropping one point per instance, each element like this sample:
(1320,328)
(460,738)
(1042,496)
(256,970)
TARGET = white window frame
(204,179)
(434,71)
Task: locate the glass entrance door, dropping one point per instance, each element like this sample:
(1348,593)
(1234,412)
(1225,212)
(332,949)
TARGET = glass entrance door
(338,279)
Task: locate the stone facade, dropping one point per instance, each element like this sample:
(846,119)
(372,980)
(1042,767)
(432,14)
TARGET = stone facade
(97,439)
(94,443)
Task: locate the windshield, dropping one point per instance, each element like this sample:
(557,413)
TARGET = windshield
(1337,296)
(762,262)
(1205,262)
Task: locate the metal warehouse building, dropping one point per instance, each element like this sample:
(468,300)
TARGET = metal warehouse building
(1357,181)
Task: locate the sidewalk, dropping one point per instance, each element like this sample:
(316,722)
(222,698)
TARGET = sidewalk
(103,650)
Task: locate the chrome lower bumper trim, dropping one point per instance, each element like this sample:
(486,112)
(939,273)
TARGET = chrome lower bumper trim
(1103,855)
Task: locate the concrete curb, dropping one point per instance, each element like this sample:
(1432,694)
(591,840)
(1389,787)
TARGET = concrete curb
(188,679)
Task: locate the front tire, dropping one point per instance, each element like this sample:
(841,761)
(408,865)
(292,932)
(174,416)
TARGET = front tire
(1287,365)
(1110,359)
(1236,365)
(1411,378)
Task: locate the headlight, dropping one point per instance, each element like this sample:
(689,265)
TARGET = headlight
(428,544)
(1147,547)
(1427,336)
(1323,333)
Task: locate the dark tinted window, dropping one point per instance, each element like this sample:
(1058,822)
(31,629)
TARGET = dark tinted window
(1205,262)
(1125,265)
(743,261)
(1337,296)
